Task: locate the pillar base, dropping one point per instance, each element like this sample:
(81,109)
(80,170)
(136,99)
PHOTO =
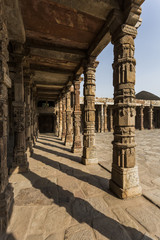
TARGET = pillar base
(30,148)
(21,165)
(76,150)
(6,206)
(87,161)
(125,182)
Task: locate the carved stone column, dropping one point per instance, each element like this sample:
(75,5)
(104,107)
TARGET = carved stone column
(76,117)
(125,180)
(20,156)
(57,119)
(6,190)
(105,119)
(60,118)
(68,139)
(151,117)
(89,149)
(111,119)
(99,119)
(28,113)
(141,118)
(102,119)
(63,117)
(32,115)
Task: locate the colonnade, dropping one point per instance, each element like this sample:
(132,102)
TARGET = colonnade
(18,77)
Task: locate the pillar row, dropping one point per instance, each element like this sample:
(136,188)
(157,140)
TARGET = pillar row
(105,119)
(89,149)
(125,179)
(60,118)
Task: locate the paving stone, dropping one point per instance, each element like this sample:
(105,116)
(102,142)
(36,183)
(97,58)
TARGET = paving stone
(79,232)
(109,229)
(56,236)
(20,221)
(99,206)
(127,222)
(31,196)
(156,181)
(153,196)
(56,220)
(145,217)
(34,237)
(68,183)
(91,187)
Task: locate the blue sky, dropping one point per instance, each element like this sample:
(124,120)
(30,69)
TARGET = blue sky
(147,54)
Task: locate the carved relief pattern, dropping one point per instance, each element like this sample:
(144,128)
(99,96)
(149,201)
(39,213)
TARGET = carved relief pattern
(68,118)
(89,112)
(124,95)
(63,117)
(77,116)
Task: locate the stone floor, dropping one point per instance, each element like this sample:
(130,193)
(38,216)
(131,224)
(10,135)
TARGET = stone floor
(61,199)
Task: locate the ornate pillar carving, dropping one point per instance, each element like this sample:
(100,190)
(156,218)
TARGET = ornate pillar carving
(63,117)
(57,119)
(89,150)
(76,116)
(20,156)
(102,119)
(60,118)
(105,119)
(68,139)
(6,190)
(125,180)
(28,112)
(151,117)
(141,118)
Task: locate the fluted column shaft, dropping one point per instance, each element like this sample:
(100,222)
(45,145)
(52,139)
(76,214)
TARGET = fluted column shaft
(76,117)
(125,180)
(89,150)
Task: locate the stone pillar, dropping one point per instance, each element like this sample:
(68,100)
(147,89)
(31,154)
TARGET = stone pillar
(20,156)
(6,191)
(57,119)
(76,117)
(141,118)
(125,180)
(102,119)
(105,119)
(89,149)
(68,139)
(28,113)
(60,118)
(151,117)
(32,116)
(111,119)
(63,117)
(99,119)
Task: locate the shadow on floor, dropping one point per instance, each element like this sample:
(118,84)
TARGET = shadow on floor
(51,145)
(59,141)
(71,157)
(93,180)
(83,211)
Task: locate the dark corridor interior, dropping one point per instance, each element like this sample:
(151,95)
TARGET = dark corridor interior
(46,123)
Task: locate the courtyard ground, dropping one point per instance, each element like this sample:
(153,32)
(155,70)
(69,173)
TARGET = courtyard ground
(61,199)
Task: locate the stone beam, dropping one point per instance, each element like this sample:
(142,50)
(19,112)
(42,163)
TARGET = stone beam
(15,24)
(50,69)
